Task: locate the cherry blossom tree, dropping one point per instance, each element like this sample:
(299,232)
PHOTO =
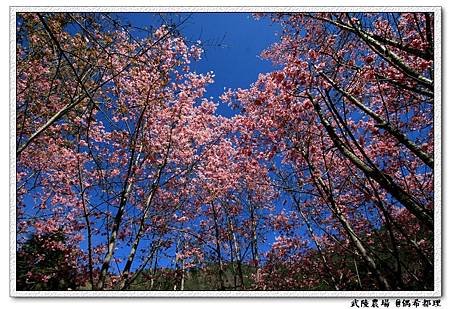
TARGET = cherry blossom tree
(117,156)
(128,175)
(350,114)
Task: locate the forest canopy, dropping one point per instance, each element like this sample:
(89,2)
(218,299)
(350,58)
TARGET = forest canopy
(128,177)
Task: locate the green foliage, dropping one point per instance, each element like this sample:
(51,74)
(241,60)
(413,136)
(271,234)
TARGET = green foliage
(42,264)
(195,279)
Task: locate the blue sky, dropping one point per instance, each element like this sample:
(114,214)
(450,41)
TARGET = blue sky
(232,44)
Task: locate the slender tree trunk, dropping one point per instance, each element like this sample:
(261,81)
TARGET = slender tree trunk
(154,271)
(357,273)
(218,249)
(88,227)
(182,280)
(139,234)
(254,241)
(235,251)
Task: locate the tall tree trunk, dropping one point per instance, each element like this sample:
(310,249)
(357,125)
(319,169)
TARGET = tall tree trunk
(218,249)
(254,241)
(235,249)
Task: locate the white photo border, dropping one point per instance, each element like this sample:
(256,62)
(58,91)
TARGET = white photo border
(437,292)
